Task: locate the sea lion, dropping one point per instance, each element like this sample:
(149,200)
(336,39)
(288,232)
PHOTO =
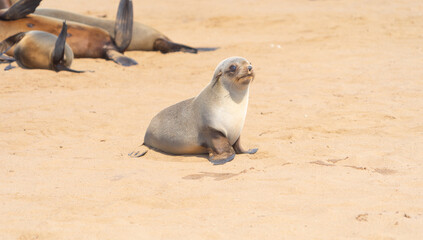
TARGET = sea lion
(209,123)
(41,50)
(85,41)
(144,37)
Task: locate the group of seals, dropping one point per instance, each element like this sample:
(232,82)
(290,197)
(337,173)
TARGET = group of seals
(208,123)
(88,37)
(85,41)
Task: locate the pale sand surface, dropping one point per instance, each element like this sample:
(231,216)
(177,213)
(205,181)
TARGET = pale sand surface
(336,110)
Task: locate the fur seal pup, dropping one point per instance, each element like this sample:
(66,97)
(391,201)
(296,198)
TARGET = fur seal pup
(85,41)
(209,123)
(41,50)
(144,37)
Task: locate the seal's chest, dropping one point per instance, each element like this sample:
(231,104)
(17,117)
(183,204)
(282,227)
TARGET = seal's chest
(229,118)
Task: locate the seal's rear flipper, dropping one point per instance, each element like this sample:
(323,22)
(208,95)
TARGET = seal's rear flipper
(6,59)
(58,55)
(20,9)
(166,46)
(139,152)
(9,67)
(119,58)
(123,25)
(6,44)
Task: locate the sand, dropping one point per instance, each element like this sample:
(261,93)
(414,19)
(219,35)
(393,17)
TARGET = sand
(336,111)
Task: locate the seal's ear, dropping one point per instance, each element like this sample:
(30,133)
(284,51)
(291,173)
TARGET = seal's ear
(217,76)
(20,9)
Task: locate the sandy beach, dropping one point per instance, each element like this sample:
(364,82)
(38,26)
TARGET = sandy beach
(336,110)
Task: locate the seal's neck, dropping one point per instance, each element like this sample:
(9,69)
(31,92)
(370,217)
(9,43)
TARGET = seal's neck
(235,93)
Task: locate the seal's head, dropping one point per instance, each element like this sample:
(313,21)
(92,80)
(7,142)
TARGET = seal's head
(235,73)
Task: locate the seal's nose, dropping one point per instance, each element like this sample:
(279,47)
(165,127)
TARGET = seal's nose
(250,68)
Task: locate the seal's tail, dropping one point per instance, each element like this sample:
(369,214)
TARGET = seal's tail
(58,55)
(20,9)
(166,46)
(123,25)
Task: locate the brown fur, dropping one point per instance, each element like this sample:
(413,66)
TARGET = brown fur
(85,41)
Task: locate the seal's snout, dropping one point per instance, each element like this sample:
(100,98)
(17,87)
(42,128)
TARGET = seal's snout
(250,68)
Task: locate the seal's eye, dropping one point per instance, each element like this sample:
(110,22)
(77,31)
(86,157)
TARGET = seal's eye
(232,68)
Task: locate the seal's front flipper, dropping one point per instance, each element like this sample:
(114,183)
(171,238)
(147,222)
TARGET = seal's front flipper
(139,152)
(20,9)
(166,46)
(123,25)
(58,55)
(59,47)
(240,150)
(220,161)
(119,58)
(220,150)
(6,44)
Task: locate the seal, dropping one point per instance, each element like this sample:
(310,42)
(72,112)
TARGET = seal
(144,37)
(209,123)
(41,50)
(85,41)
